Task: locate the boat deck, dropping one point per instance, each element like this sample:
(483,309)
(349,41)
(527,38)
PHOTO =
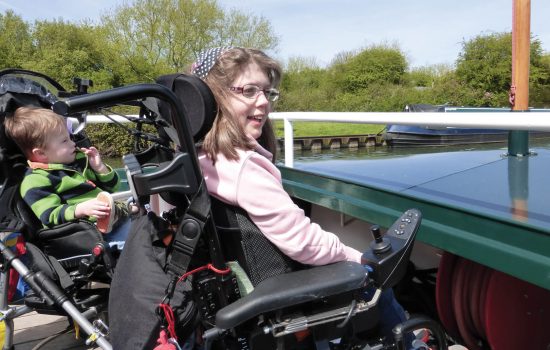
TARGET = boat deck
(479,204)
(32,329)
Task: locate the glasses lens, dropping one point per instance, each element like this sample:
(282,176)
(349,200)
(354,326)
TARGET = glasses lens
(272,95)
(250,91)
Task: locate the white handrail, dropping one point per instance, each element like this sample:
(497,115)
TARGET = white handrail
(480,120)
(100,118)
(539,121)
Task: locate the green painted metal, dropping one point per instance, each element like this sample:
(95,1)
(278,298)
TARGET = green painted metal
(518,249)
(123,181)
(518,143)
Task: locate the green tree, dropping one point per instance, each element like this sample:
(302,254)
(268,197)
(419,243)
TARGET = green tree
(303,87)
(246,30)
(485,63)
(154,37)
(65,50)
(539,94)
(297,64)
(427,76)
(15,41)
(376,64)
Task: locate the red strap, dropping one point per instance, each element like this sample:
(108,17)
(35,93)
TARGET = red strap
(20,246)
(205,267)
(163,343)
(169,313)
(170,320)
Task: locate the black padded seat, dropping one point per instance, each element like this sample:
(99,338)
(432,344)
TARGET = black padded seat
(292,289)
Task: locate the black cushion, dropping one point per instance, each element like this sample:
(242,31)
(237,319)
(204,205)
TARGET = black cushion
(196,98)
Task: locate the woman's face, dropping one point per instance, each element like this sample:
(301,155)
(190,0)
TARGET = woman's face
(251,113)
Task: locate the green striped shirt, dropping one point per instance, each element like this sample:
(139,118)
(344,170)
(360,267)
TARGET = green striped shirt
(53,190)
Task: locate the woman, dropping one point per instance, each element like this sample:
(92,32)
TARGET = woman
(237,162)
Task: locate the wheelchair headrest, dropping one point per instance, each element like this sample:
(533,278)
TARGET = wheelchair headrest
(196,98)
(19,87)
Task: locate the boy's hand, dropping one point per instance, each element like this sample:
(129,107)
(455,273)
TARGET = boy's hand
(91,208)
(94,159)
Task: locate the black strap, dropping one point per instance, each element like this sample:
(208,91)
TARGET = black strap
(10,223)
(64,279)
(189,232)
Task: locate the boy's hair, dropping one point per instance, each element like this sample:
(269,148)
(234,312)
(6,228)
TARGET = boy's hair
(29,127)
(227,134)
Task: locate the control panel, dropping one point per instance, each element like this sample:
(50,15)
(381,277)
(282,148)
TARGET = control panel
(208,298)
(389,254)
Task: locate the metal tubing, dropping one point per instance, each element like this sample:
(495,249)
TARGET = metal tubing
(8,321)
(419,322)
(98,338)
(534,120)
(89,102)
(289,143)
(480,120)
(518,143)
(55,293)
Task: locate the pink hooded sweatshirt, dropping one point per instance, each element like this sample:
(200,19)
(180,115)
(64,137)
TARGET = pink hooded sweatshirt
(254,184)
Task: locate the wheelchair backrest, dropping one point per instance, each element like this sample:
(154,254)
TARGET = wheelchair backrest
(240,238)
(243,242)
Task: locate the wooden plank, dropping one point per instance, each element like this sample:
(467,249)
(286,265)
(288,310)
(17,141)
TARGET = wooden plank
(33,328)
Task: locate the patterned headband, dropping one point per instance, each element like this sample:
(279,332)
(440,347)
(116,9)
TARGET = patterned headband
(206,61)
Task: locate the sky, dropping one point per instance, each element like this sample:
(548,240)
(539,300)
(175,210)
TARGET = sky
(428,32)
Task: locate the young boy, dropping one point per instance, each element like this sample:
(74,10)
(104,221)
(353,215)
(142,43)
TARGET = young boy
(63,183)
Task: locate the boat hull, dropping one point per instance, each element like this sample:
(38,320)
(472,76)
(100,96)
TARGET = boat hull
(406,136)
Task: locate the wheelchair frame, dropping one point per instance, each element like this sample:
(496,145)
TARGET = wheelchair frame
(181,176)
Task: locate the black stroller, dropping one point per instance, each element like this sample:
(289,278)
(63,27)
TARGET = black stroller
(59,263)
(187,289)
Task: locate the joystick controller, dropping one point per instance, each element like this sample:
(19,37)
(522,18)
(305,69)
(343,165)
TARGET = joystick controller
(380,244)
(389,254)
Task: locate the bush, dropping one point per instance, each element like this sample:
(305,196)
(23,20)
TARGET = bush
(110,139)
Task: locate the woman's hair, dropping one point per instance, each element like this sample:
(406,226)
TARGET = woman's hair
(227,134)
(30,127)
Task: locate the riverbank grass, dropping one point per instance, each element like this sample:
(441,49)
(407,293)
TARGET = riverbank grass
(307,129)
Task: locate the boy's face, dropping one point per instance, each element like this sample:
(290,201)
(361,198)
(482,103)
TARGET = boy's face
(59,148)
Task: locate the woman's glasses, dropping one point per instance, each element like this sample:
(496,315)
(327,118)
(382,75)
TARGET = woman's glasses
(251,91)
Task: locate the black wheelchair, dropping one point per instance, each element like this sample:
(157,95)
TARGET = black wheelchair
(59,264)
(192,288)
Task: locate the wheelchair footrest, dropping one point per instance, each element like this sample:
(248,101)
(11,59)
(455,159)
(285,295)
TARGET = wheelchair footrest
(292,289)
(83,299)
(86,298)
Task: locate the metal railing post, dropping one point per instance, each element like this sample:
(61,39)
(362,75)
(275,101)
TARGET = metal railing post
(289,143)
(518,143)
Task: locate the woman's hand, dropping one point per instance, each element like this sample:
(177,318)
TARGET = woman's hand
(94,159)
(91,208)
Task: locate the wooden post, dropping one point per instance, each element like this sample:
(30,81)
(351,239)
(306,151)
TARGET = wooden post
(521,40)
(518,141)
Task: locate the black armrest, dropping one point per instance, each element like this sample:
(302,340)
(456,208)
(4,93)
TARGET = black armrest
(291,289)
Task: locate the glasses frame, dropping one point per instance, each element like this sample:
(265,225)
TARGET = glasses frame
(270,94)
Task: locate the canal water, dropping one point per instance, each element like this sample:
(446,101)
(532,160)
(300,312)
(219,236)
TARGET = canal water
(395,152)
